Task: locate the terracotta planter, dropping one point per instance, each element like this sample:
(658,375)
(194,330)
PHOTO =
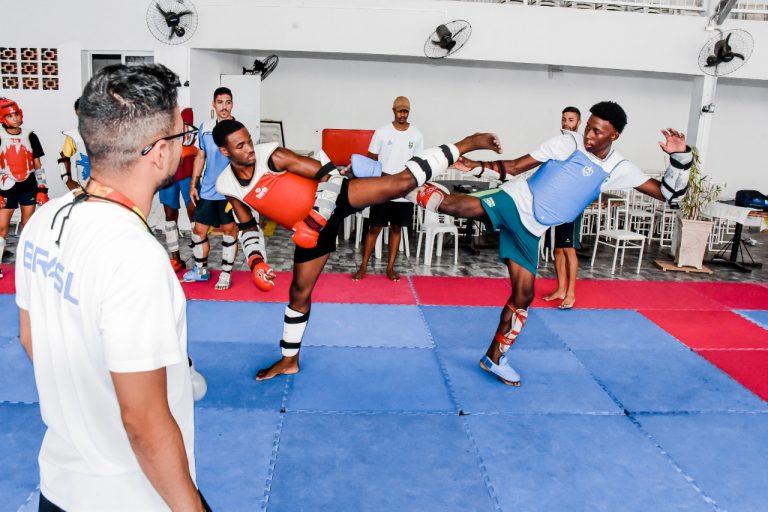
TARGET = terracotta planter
(689,244)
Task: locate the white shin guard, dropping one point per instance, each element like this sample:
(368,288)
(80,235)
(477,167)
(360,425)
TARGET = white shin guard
(432,161)
(172,235)
(228,252)
(197,251)
(294,324)
(327,194)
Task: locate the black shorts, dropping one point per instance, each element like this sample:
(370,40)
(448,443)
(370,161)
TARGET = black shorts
(391,213)
(22,193)
(327,241)
(212,212)
(567,235)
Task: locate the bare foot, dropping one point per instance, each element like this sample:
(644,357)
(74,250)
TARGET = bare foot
(568,302)
(358,275)
(479,141)
(556,295)
(224,282)
(391,274)
(285,366)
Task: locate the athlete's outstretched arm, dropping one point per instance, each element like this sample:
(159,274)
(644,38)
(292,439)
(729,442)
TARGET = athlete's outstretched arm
(503,168)
(287,160)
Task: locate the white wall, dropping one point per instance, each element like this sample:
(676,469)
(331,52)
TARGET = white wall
(342,62)
(521,103)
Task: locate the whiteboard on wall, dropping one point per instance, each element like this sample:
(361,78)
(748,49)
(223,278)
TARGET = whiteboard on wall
(246,100)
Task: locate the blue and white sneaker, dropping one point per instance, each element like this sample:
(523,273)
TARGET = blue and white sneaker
(191,276)
(502,371)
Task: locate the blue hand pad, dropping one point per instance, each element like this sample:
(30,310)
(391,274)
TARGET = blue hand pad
(577,462)
(364,167)
(377,462)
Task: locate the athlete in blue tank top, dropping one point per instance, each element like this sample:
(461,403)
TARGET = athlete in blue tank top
(574,169)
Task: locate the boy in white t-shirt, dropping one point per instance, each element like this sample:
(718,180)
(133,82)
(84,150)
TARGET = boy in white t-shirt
(392,145)
(574,169)
(103,316)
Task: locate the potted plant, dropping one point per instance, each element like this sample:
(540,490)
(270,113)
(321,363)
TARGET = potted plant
(689,242)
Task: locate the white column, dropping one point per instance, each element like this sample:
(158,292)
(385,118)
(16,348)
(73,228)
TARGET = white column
(701,113)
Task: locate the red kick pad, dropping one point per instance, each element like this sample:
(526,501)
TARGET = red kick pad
(373,289)
(242,288)
(461,291)
(749,367)
(734,295)
(710,329)
(340,144)
(8,282)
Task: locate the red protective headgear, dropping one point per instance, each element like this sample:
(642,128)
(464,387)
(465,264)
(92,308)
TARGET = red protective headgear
(8,106)
(186,116)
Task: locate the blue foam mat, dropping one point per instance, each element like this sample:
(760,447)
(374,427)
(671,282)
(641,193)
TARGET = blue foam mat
(230,368)
(607,329)
(667,380)
(578,462)
(232,455)
(369,379)
(367,463)
(552,381)
(759,317)
(329,325)
(9,316)
(17,377)
(248,322)
(21,433)
(474,327)
(725,454)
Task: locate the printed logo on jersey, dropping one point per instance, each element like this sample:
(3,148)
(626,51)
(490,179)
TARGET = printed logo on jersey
(587,171)
(410,144)
(490,202)
(37,260)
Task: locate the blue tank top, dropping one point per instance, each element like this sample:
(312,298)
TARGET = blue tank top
(215,162)
(562,189)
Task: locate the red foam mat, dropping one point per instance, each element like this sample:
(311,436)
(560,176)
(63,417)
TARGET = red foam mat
(735,295)
(647,295)
(373,289)
(242,288)
(710,329)
(461,291)
(8,282)
(748,367)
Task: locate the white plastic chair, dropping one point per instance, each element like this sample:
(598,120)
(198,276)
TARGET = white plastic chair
(433,226)
(615,236)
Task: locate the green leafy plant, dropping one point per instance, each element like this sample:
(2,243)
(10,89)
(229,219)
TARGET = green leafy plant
(701,191)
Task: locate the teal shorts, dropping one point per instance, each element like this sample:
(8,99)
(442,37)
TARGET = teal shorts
(515,242)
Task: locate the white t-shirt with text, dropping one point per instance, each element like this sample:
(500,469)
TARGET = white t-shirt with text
(104,299)
(395,148)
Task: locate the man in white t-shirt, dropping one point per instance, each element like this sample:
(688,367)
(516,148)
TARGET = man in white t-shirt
(574,169)
(102,314)
(392,145)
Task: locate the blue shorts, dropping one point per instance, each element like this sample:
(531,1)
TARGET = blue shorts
(169,196)
(515,242)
